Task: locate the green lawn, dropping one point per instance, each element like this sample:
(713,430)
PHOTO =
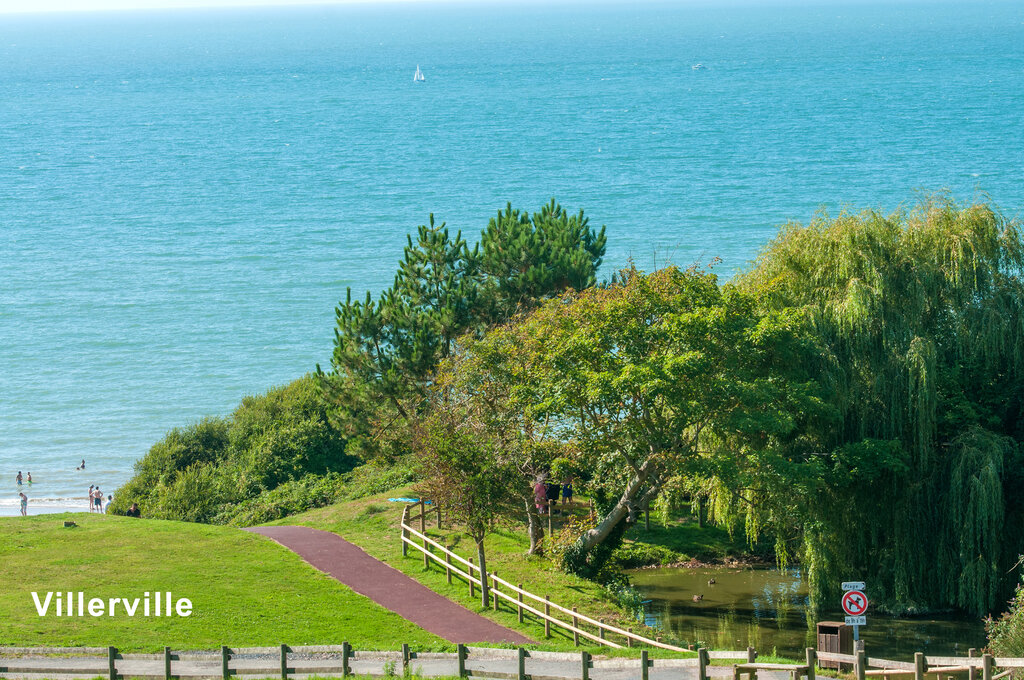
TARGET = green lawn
(245,589)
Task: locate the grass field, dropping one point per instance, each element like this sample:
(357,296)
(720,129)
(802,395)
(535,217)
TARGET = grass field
(245,589)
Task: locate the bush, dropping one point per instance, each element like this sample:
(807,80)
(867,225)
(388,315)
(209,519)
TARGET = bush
(1006,634)
(226,469)
(636,555)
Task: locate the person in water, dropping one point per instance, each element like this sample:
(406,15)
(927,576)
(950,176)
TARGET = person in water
(82,466)
(24,504)
(29,480)
(18,478)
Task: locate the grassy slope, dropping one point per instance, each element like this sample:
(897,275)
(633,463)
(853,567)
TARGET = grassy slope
(373,524)
(245,589)
(682,540)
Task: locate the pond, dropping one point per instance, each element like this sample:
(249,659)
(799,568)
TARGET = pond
(767,609)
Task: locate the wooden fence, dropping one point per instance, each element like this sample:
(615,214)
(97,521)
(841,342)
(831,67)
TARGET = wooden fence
(522,601)
(281,662)
(512,664)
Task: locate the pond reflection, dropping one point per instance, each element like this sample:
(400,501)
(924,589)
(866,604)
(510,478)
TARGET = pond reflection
(767,609)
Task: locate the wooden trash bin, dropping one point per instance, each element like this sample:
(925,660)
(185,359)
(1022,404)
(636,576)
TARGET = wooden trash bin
(835,637)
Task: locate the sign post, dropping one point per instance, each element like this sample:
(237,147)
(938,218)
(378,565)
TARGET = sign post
(855,604)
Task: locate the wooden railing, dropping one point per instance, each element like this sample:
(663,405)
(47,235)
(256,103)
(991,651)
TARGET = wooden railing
(342,660)
(940,666)
(517,597)
(323,661)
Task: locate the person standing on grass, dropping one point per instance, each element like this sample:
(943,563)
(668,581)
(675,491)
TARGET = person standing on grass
(24,504)
(91,487)
(567,491)
(97,499)
(540,497)
(106,508)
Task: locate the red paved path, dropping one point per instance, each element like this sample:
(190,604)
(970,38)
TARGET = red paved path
(389,587)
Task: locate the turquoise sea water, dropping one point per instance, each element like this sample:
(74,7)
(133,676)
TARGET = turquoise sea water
(185,196)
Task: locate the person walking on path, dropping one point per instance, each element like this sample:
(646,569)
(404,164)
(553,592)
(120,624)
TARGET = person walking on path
(24,504)
(18,478)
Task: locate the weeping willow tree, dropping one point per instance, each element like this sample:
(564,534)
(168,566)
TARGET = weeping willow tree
(921,313)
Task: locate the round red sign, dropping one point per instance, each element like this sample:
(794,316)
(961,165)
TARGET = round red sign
(855,602)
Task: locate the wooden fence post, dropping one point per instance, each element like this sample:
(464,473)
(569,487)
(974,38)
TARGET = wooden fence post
(346,651)
(448,568)
(584,665)
(629,640)
(519,596)
(702,663)
(469,570)
(547,623)
(461,651)
(438,507)
(423,516)
(986,666)
(972,670)
(167,663)
(861,667)
(575,624)
(225,657)
(600,630)
(494,589)
(405,533)
(521,670)
(284,662)
(644,664)
(111,662)
(812,660)
(920,666)
(751,655)
(551,535)
(405,659)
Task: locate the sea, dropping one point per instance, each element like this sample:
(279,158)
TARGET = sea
(186,195)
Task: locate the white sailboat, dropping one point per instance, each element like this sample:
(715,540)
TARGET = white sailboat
(418,77)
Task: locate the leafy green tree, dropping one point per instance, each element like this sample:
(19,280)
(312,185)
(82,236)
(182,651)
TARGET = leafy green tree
(921,314)
(659,375)
(474,383)
(464,470)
